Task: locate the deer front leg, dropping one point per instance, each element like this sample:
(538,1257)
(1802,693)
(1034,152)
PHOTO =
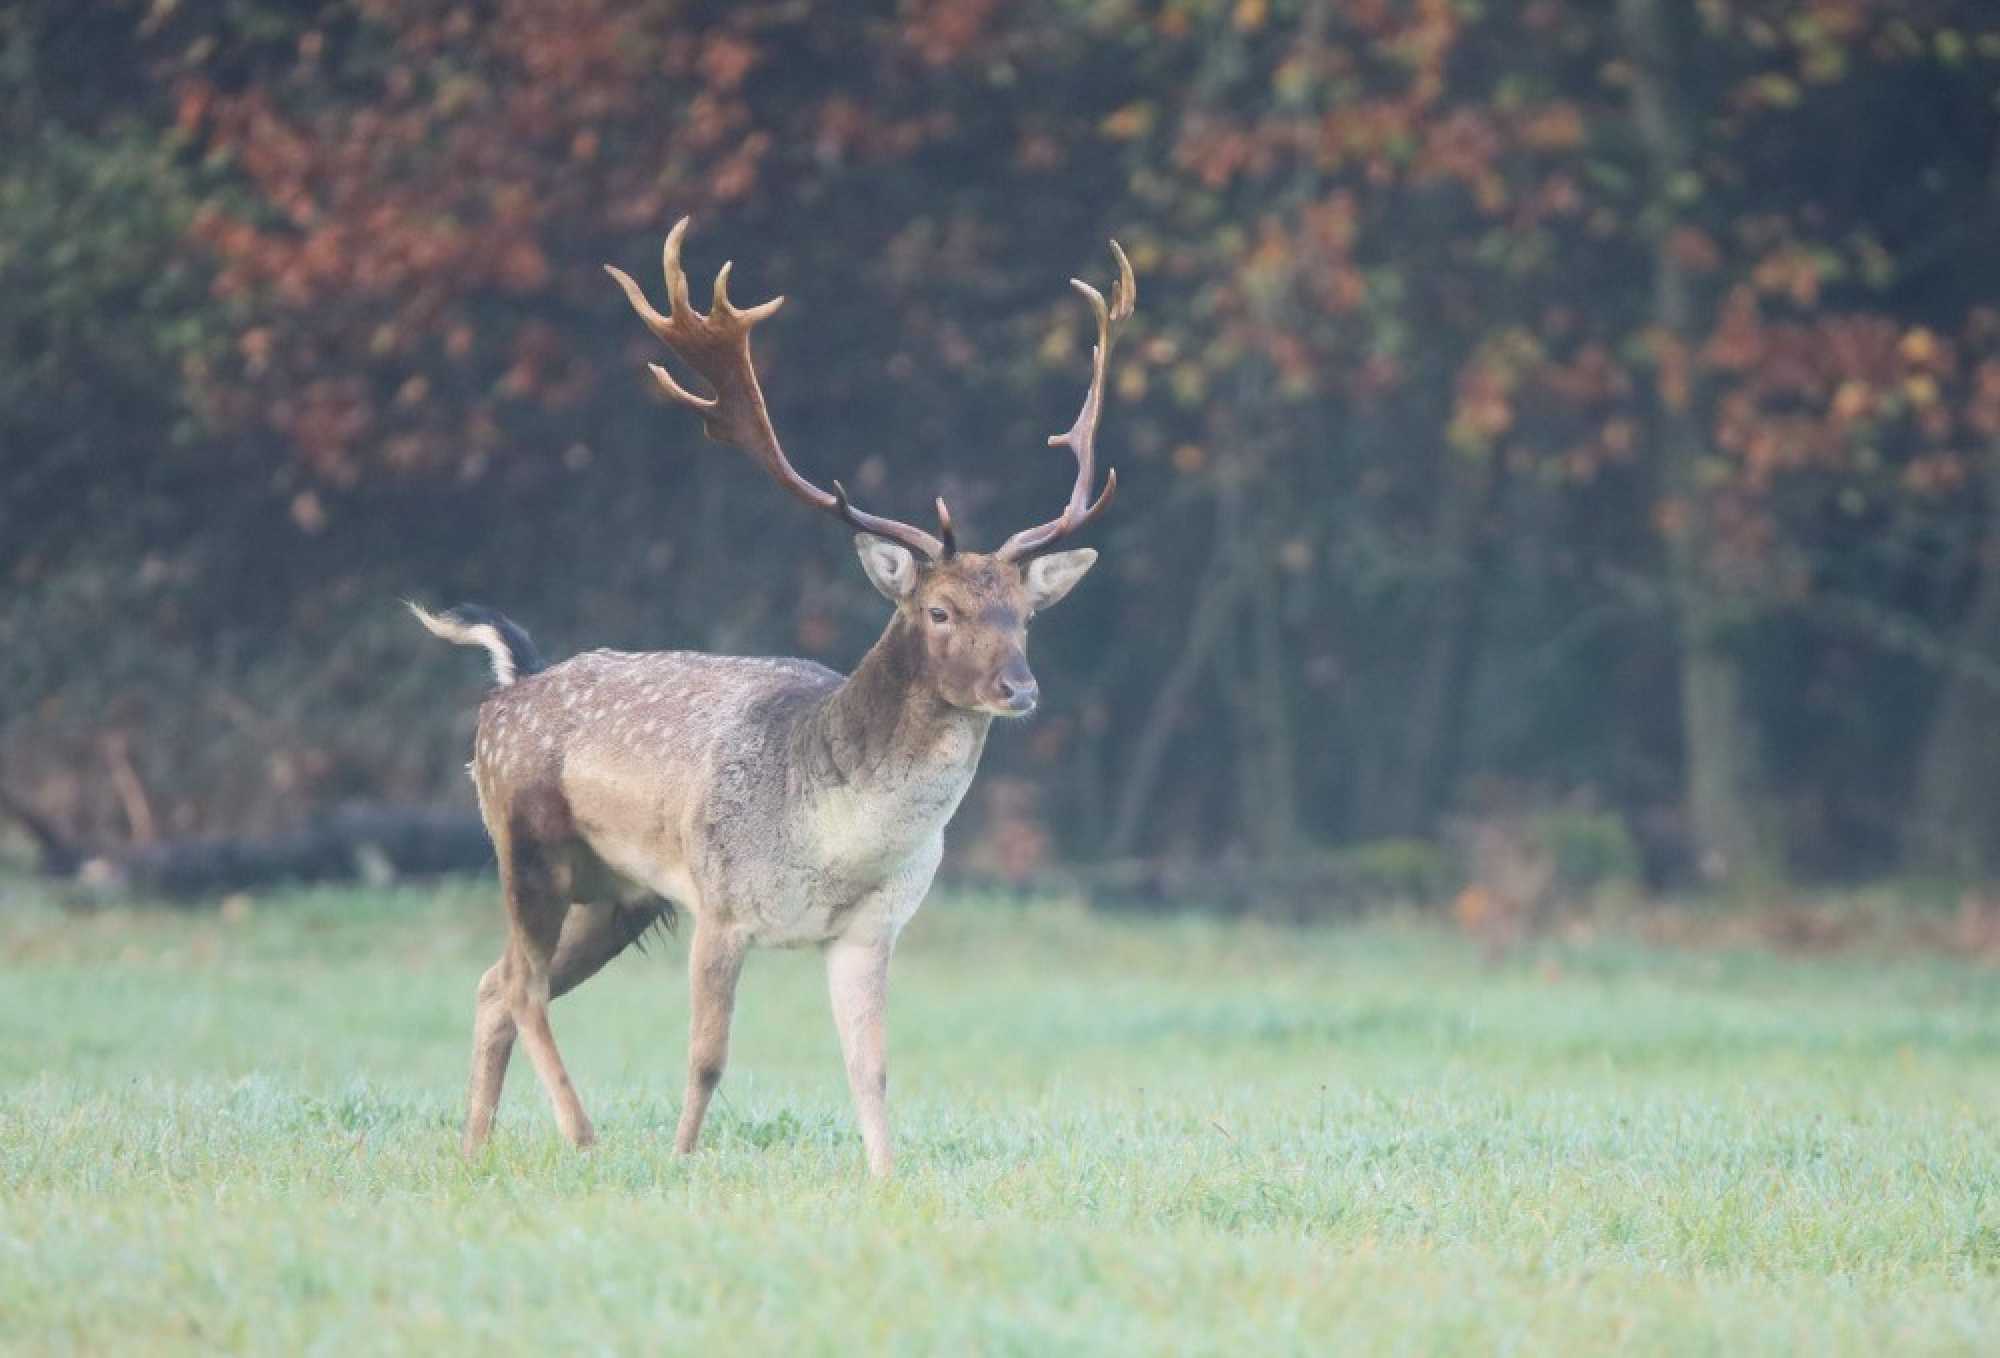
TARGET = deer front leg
(857,980)
(715,959)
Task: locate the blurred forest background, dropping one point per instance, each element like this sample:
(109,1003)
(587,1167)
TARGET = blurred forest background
(1581,413)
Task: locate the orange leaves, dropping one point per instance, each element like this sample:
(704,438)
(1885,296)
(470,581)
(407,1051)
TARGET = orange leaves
(191,105)
(1129,123)
(1934,474)
(1672,370)
(1484,409)
(1792,272)
(943,31)
(1737,343)
(1466,146)
(1983,409)
(308,513)
(1592,377)
(1553,127)
(1853,402)
(1217,151)
(1694,249)
(736,176)
(727,60)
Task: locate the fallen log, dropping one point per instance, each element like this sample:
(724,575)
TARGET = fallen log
(365,842)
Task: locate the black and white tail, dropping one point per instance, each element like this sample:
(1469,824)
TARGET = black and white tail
(514,655)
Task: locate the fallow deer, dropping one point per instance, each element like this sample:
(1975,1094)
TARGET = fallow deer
(777,802)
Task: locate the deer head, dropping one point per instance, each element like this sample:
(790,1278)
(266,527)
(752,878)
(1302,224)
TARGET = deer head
(965,614)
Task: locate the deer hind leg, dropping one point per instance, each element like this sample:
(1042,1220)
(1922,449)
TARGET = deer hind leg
(492,1045)
(536,905)
(715,960)
(591,936)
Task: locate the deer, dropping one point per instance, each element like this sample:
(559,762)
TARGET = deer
(776,802)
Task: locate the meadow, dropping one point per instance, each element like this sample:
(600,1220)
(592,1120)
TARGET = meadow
(235,1131)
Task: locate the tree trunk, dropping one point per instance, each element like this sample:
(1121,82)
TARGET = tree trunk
(1251,671)
(1951,829)
(1208,624)
(1413,789)
(1721,778)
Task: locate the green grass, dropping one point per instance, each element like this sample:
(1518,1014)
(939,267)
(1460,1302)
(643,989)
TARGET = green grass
(1116,1136)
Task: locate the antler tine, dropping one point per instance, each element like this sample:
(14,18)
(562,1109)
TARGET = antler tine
(717,346)
(1082,435)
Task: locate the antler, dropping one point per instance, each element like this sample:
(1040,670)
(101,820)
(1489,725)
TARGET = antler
(718,347)
(1081,438)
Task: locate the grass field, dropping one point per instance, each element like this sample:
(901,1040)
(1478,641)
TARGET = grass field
(1116,1136)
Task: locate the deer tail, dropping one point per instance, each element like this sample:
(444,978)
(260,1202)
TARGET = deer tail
(514,655)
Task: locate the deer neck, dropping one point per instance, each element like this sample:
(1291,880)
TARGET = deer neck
(886,732)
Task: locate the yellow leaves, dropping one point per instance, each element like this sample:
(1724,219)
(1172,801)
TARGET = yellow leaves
(1250,15)
(1189,383)
(1057,347)
(1824,63)
(1293,80)
(1484,410)
(458,94)
(1189,458)
(1129,123)
(1853,401)
(1775,91)
(1919,348)
(1270,270)
(1145,255)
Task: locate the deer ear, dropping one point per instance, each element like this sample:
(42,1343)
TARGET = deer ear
(1051,577)
(891,568)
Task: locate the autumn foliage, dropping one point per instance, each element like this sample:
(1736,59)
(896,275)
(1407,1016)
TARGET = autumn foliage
(1536,403)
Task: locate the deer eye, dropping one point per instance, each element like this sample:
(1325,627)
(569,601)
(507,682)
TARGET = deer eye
(938,615)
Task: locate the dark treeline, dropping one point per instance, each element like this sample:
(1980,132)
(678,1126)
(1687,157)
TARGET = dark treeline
(1532,404)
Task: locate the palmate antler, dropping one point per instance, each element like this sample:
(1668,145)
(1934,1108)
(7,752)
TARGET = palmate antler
(718,347)
(1082,436)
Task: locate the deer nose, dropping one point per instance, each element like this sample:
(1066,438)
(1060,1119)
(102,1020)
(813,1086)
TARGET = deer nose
(1018,689)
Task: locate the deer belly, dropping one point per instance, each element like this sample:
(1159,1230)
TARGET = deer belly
(653,864)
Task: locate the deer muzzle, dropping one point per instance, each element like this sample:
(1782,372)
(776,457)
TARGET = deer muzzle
(1015,689)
